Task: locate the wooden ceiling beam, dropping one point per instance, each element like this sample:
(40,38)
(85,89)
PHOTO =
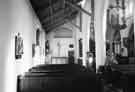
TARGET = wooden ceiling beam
(60,17)
(51,10)
(78,8)
(47,25)
(59,4)
(75,25)
(55,26)
(54,13)
(42,12)
(41,9)
(51,26)
(61,12)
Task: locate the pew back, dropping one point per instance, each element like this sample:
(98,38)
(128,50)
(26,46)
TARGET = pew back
(57,78)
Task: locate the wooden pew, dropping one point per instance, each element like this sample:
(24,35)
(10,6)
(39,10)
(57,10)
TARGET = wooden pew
(57,78)
(129,71)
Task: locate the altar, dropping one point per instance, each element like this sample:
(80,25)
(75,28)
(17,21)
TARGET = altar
(59,60)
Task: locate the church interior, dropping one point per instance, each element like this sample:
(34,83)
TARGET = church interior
(67,46)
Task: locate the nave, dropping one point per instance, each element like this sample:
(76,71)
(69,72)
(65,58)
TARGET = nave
(67,45)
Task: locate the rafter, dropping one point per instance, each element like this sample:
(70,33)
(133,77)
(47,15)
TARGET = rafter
(42,12)
(78,8)
(59,17)
(57,22)
(75,25)
(54,12)
(55,25)
(61,12)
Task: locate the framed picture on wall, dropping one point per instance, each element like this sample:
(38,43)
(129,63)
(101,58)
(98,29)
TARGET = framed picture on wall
(18,46)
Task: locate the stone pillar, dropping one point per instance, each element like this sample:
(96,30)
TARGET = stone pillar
(86,29)
(133,1)
(100,29)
